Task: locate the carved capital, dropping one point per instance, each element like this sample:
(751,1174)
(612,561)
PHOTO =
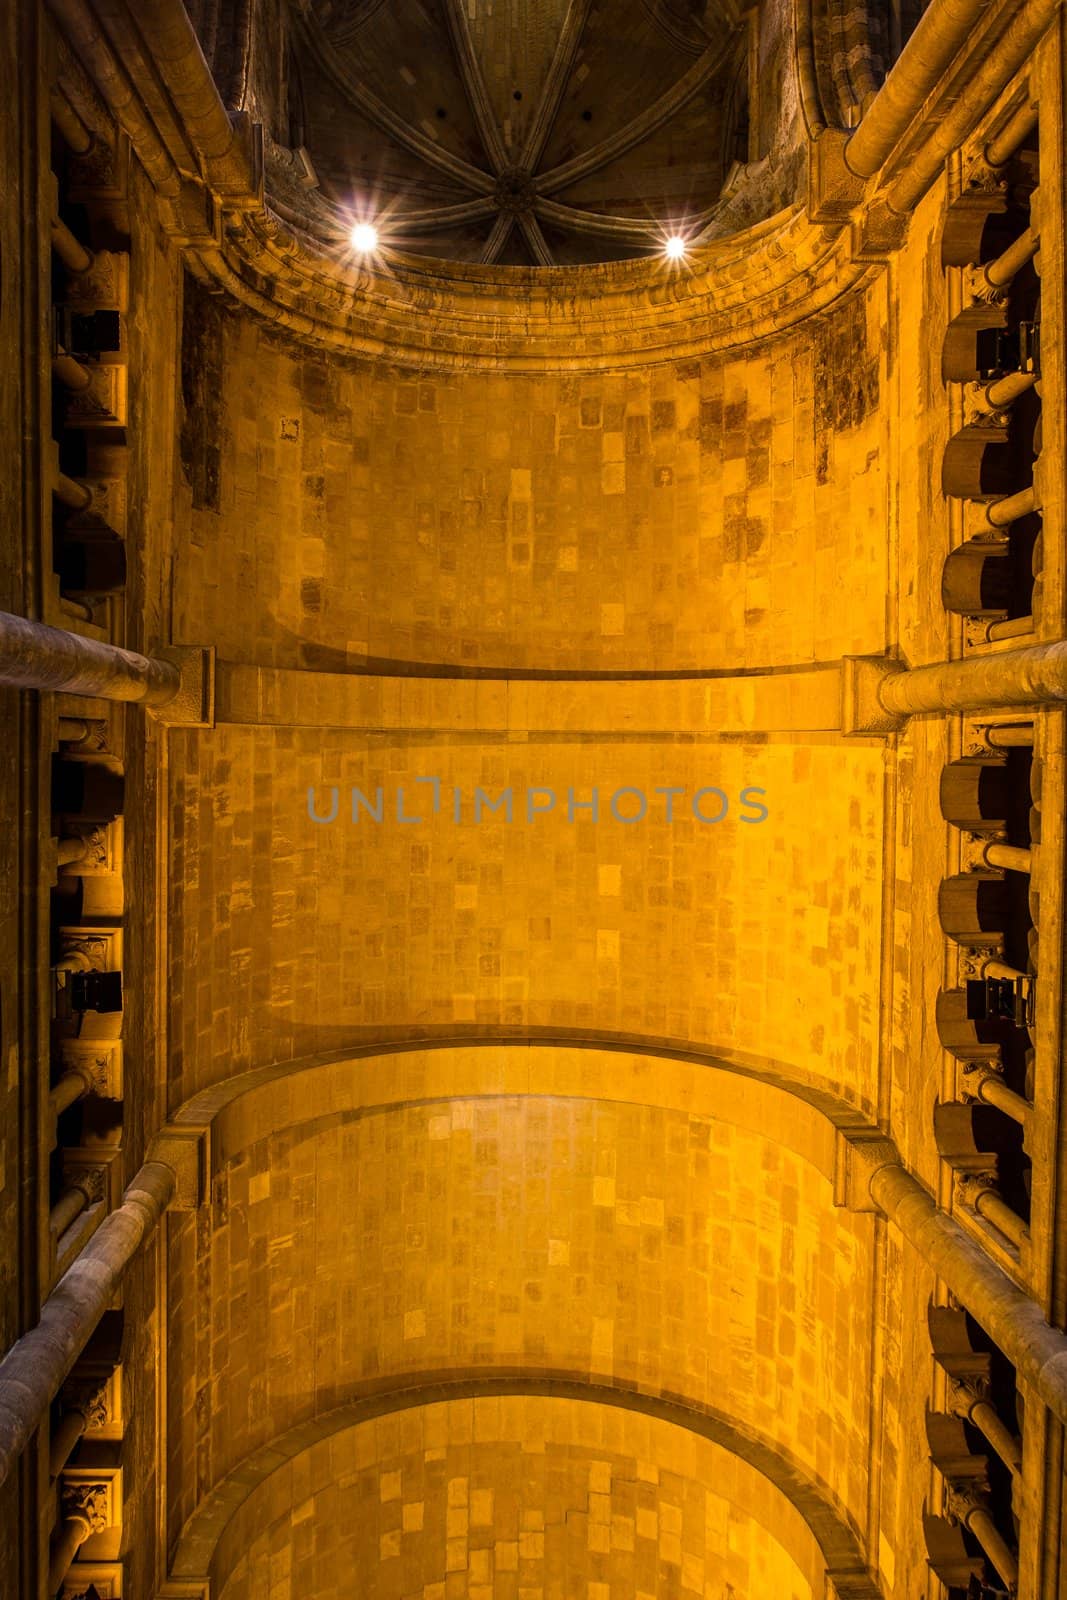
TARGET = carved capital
(91,1180)
(962,1500)
(101,173)
(102,947)
(983,181)
(87,1502)
(103,403)
(974,958)
(973,1074)
(97,857)
(966,1392)
(99,1061)
(977,287)
(91,1397)
(977,411)
(94,737)
(970,1186)
(104,284)
(106,513)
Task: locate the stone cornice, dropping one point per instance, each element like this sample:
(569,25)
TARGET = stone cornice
(612,316)
(728,293)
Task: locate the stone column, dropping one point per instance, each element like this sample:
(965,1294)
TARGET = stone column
(34,1368)
(179,686)
(34,656)
(968,1400)
(1012,1320)
(978,1191)
(986,1084)
(939,36)
(1033,676)
(84,1407)
(85,1513)
(969,1508)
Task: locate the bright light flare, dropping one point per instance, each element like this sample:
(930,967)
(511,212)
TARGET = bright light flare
(675,247)
(364,238)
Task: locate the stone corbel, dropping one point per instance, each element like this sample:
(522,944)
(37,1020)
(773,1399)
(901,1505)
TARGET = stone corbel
(834,190)
(877,232)
(186,1150)
(862,711)
(106,512)
(191,217)
(194,704)
(858,1154)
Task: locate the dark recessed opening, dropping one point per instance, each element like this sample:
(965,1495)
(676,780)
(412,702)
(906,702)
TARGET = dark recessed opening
(441,112)
(517,95)
(587,116)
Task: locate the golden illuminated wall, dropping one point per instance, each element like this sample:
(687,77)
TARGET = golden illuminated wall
(762,935)
(554,1236)
(693,515)
(580,1107)
(497,1497)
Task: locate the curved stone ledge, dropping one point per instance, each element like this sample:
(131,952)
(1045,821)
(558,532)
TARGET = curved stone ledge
(611,317)
(762,1096)
(759,1479)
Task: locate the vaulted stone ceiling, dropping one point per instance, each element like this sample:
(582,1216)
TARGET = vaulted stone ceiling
(523,132)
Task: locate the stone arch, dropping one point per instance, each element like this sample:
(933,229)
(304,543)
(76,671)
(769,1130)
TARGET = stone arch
(430,1136)
(762,1093)
(763,1483)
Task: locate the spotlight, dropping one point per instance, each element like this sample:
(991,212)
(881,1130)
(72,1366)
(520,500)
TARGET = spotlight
(364,238)
(674,249)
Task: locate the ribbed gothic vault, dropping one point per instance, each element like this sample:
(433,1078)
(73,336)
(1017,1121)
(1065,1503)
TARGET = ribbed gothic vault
(553,132)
